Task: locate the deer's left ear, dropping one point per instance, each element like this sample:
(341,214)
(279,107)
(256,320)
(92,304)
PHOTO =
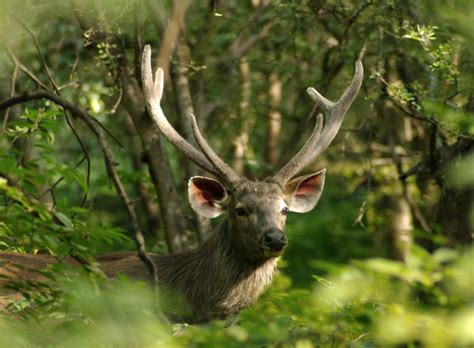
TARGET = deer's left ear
(206,196)
(303,193)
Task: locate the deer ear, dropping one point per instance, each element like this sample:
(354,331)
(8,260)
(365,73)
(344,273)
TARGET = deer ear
(206,196)
(303,193)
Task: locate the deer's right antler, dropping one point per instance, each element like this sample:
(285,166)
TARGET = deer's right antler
(207,159)
(322,137)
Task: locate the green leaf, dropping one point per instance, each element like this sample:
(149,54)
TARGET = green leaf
(7,164)
(65,220)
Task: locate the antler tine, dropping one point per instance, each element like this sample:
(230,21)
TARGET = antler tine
(215,160)
(319,141)
(153,91)
(294,165)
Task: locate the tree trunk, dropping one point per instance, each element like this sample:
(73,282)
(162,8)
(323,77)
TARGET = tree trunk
(274,120)
(456,208)
(158,163)
(456,214)
(184,107)
(149,207)
(401,226)
(241,140)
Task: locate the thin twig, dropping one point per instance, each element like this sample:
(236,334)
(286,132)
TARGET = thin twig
(38,50)
(73,69)
(86,156)
(117,102)
(109,163)
(129,205)
(58,181)
(12,93)
(23,68)
(57,90)
(42,85)
(109,133)
(240,46)
(415,114)
(92,124)
(69,84)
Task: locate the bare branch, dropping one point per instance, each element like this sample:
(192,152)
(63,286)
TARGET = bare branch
(150,207)
(12,93)
(240,47)
(38,50)
(242,44)
(109,163)
(157,162)
(86,156)
(171,34)
(23,68)
(417,115)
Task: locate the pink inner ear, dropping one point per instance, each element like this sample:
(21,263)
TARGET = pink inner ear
(199,197)
(308,186)
(208,190)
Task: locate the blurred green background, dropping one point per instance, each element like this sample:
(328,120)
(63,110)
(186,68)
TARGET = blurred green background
(385,259)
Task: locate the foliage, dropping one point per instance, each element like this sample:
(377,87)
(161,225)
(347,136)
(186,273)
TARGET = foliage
(28,225)
(376,302)
(404,154)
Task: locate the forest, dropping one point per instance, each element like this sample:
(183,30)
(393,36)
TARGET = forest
(98,201)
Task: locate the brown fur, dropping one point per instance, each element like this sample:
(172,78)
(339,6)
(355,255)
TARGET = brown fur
(213,281)
(225,274)
(231,269)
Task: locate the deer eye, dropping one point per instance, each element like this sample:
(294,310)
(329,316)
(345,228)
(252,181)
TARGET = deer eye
(241,211)
(285,210)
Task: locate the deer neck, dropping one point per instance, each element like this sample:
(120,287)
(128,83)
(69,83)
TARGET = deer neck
(227,250)
(216,279)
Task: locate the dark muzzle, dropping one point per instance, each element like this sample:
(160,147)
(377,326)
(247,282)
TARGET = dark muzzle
(274,239)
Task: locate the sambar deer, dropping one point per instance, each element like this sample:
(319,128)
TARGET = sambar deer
(230,270)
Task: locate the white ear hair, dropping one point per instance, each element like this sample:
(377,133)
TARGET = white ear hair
(303,193)
(206,196)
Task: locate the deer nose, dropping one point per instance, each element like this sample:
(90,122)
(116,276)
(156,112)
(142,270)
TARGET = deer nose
(274,239)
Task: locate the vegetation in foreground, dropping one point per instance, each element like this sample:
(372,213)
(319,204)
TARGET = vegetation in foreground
(386,259)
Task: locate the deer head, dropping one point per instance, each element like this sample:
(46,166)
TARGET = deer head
(256,209)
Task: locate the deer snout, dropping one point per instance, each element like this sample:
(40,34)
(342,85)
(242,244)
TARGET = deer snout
(274,239)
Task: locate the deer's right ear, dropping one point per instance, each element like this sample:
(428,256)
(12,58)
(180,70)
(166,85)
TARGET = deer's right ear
(206,196)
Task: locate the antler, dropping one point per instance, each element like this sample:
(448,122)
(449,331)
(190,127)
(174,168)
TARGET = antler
(206,149)
(319,141)
(207,159)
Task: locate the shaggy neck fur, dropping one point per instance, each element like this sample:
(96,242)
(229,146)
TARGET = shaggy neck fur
(214,281)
